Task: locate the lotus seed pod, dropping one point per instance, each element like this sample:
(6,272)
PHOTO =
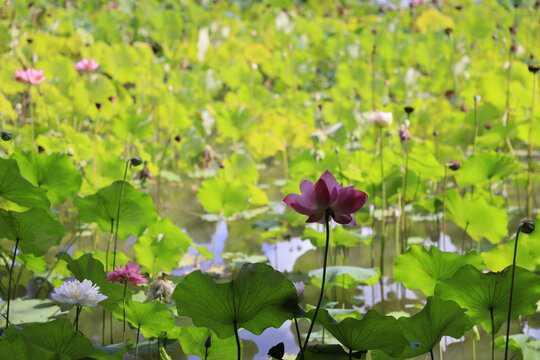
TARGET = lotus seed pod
(277,351)
(526,225)
(178,138)
(6,135)
(408,109)
(135,161)
(454,165)
(534,68)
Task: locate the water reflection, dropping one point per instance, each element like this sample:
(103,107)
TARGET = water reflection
(282,255)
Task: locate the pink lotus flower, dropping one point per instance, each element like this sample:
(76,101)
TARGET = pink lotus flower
(128,272)
(327,194)
(29,76)
(84,65)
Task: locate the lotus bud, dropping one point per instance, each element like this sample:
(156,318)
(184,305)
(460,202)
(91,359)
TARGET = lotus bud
(208,341)
(381,119)
(404,133)
(526,225)
(495,36)
(477,98)
(178,138)
(99,106)
(488,126)
(408,109)
(6,135)
(513,48)
(448,31)
(374,31)
(464,108)
(435,133)
(513,29)
(112,99)
(29,40)
(135,161)
(299,290)
(40,149)
(221,165)
(459,7)
(277,351)
(449,94)
(454,165)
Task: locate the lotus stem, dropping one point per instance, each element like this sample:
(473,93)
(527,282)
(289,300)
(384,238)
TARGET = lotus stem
(373,53)
(78,312)
(96,127)
(137,343)
(238,348)
(327,226)
(492,334)
(383,206)
(404,198)
(511,293)
(529,154)
(124,312)
(118,211)
(431,353)
(444,209)
(297,332)
(10,279)
(160,166)
(475,124)
(350,354)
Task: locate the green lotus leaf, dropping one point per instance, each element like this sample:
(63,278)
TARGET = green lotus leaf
(487,166)
(15,188)
(348,277)
(87,267)
(259,297)
(339,237)
(329,352)
(137,210)
(55,173)
(525,346)
(438,318)
(373,331)
(26,311)
(162,246)
(419,268)
(48,341)
(153,317)
(35,229)
(217,195)
(479,219)
(192,340)
(481,292)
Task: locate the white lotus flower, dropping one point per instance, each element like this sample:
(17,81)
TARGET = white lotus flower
(380,118)
(74,292)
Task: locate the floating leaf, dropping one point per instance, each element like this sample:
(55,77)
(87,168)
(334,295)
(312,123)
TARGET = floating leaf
(481,292)
(162,246)
(419,268)
(51,340)
(153,317)
(374,331)
(192,341)
(438,318)
(30,311)
(137,211)
(477,217)
(347,277)
(15,188)
(55,173)
(36,230)
(259,297)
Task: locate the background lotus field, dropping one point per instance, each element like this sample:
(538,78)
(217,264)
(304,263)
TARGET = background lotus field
(147,146)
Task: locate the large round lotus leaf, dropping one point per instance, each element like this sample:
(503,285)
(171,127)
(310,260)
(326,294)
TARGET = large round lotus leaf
(479,292)
(29,311)
(485,166)
(477,217)
(87,267)
(525,346)
(36,230)
(162,246)
(374,331)
(259,297)
(137,210)
(217,195)
(347,277)
(56,173)
(438,318)
(419,268)
(48,341)
(192,341)
(153,317)
(15,188)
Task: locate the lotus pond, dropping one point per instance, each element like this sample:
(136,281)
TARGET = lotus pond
(270,179)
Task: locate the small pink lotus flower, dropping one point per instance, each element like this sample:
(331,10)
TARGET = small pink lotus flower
(29,76)
(84,65)
(327,194)
(128,272)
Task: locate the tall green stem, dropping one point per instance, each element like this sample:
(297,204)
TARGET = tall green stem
(326,246)
(137,342)
(160,167)
(511,293)
(79,308)
(96,128)
(297,332)
(529,155)
(492,334)
(383,205)
(118,212)
(475,124)
(124,312)
(10,279)
(444,209)
(404,198)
